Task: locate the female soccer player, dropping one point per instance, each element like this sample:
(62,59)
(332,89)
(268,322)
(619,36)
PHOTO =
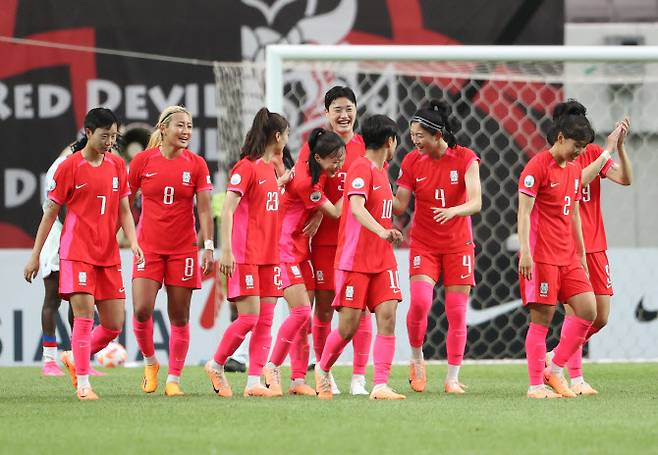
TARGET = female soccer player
(340,110)
(549,199)
(444,177)
(366,270)
(93,185)
(169,177)
(303,196)
(597,164)
(250,251)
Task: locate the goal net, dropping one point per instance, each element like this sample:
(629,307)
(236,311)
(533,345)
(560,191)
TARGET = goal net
(503,105)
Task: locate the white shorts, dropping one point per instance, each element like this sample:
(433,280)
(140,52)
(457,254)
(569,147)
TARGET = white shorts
(49,257)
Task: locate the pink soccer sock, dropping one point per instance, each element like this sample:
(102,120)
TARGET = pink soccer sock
(383,357)
(234,336)
(419,309)
(144,335)
(333,348)
(298,317)
(81,344)
(179,343)
(299,354)
(575,362)
(101,336)
(574,331)
(261,339)
(456,340)
(320,331)
(535,352)
(361,342)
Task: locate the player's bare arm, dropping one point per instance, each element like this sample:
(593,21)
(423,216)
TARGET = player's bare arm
(48,218)
(203,205)
(401,201)
(526,204)
(128,226)
(226,258)
(358,208)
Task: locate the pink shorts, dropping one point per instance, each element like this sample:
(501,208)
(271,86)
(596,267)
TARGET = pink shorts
(173,269)
(302,273)
(599,273)
(554,283)
(260,280)
(104,283)
(366,290)
(323,258)
(457,268)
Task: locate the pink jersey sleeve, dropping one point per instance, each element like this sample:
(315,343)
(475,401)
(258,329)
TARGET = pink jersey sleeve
(135,172)
(304,153)
(359,179)
(406,178)
(532,177)
(203,181)
(62,183)
(241,177)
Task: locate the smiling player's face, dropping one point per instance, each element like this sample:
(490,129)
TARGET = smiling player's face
(341,116)
(178,131)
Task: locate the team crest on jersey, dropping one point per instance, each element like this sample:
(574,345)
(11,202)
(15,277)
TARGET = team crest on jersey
(187,177)
(208,181)
(295,271)
(349,292)
(115,183)
(454,177)
(320,276)
(529,181)
(249,281)
(543,289)
(416,261)
(316,196)
(236,179)
(82,278)
(52,185)
(358,183)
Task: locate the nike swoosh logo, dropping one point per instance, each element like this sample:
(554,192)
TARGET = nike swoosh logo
(420,179)
(644,315)
(150,174)
(186,279)
(122,289)
(553,185)
(464,276)
(77,187)
(375,188)
(260,182)
(478,316)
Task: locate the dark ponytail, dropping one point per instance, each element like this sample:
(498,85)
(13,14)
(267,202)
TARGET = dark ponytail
(436,117)
(569,118)
(288,160)
(265,125)
(99,117)
(323,143)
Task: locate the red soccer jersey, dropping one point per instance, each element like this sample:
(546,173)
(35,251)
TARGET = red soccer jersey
(167,224)
(300,200)
(590,205)
(360,250)
(438,183)
(92,196)
(555,190)
(327,234)
(255,222)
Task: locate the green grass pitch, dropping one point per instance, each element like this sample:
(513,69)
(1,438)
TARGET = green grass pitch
(42,415)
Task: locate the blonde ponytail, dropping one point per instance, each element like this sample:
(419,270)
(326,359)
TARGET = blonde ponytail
(165,117)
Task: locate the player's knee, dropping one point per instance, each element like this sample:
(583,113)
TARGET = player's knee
(142,314)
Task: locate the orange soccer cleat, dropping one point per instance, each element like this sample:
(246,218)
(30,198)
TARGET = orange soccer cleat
(301,389)
(384,392)
(150,379)
(558,384)
(218,380)
(323,384)
(542,393)
(583,388)
(417,375)
(273,379)
(454,388)
(259,390)
(172,389)
(86,394)
(67,360)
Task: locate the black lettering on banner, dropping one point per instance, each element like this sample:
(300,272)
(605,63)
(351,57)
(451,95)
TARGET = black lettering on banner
(18,335)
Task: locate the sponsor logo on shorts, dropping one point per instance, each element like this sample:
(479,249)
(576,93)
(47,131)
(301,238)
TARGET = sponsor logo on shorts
(115,183)
(349,293)
(249,281)
(320,276)
(295,271)
(463,276)
(141,266)
(122,290)
(454,177)
(187,177)
(186,278)
(82,278)
(416,261)
(543,289)
(236,179)
(529,181)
